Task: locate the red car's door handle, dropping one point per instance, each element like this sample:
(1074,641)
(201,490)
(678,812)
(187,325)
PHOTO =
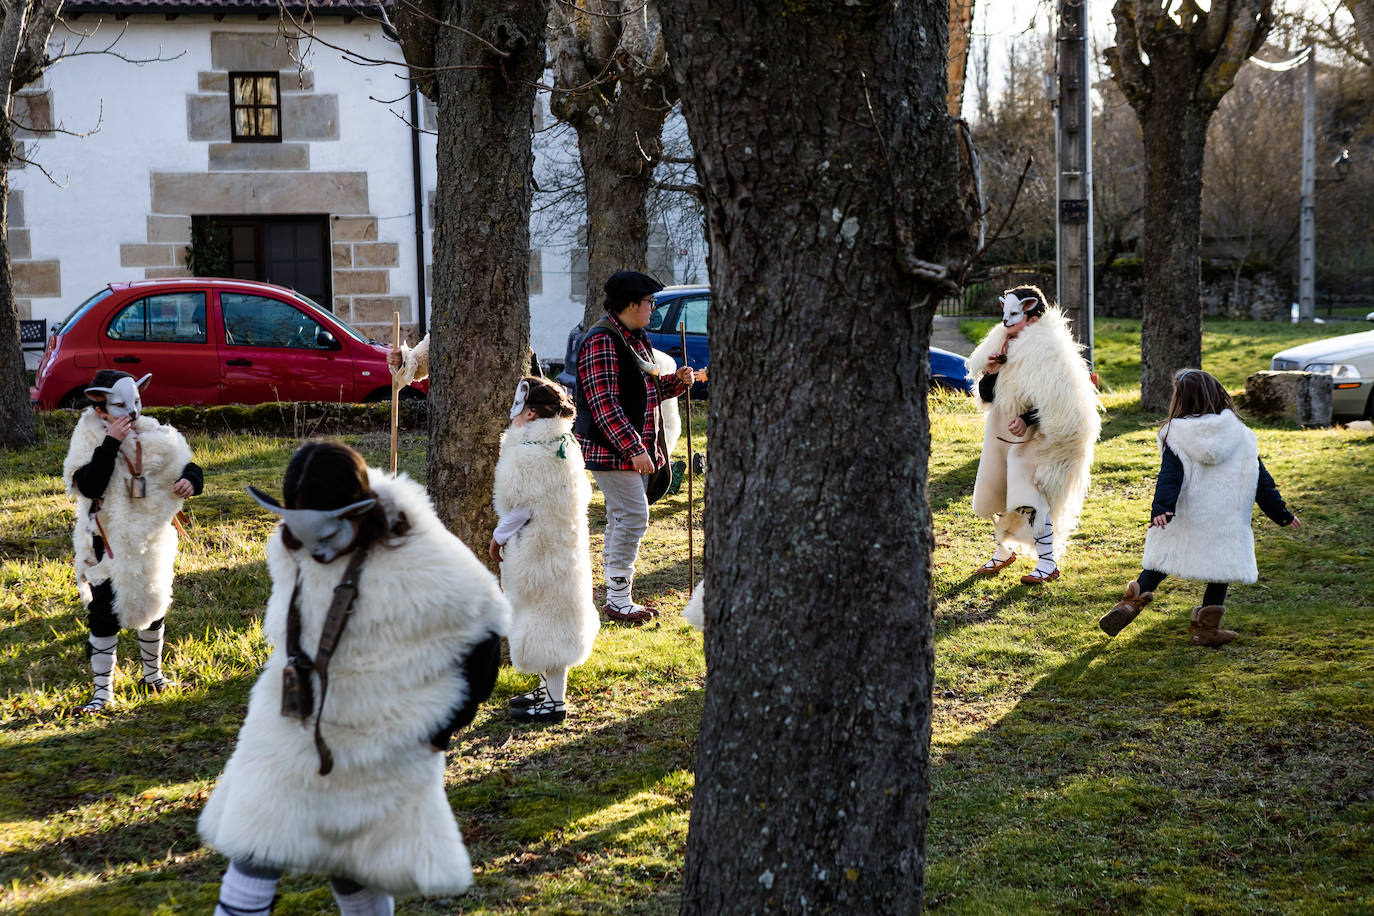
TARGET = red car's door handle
(239,362)
(125,359)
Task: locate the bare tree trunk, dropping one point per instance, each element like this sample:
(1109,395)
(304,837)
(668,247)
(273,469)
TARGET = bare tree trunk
(618,180)
(812,774)
(479,344)
(615,89)
(1174,68)
(17,427)
(1171,326)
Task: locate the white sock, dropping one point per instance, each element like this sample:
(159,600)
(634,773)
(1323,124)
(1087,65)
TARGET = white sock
(619,584)
(556,682)
(1044,546)
(1002,553)
(103,657)
(150,651)
(365,902)
(244,895)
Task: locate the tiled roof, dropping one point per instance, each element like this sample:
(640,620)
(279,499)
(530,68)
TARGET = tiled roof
(125,7)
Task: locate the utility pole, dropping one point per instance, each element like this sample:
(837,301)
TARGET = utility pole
(1074,189)
(1307,228)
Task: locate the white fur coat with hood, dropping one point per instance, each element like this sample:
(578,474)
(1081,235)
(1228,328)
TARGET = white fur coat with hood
(141,544)
(547,568)
(1209,538)
(1045,370)
(381,817)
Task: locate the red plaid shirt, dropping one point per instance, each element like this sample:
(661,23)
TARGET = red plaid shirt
(599,375)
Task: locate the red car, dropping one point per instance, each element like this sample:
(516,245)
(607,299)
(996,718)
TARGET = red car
(212,341)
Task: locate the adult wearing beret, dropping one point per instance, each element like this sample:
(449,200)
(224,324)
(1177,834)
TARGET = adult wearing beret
(618,395)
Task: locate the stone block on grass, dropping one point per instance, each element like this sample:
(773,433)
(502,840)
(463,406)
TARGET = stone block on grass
(1299,397)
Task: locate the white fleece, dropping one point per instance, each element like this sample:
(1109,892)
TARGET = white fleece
(695,611)
(414,363)
(667,408)
(1209,538)
(381,817)
(141,544)
(547,570)
(1045,370)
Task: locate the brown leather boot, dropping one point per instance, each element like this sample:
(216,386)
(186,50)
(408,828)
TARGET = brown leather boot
(1131,604)
(1205,626)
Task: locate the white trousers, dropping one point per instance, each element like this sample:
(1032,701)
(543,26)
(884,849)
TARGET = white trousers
(1006,483)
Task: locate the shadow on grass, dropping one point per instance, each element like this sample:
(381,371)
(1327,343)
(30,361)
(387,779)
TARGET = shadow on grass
(1146,773)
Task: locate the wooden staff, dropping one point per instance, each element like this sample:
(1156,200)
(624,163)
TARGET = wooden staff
(687,399)
(395,390)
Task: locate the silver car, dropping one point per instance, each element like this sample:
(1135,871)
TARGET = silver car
(1349,360)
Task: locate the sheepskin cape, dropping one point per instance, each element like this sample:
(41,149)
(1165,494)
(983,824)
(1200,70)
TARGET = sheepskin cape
(1044,370)
(1209,538)
(141,544)
(414,362)
(547,570)
(695,611)
(667,408)
(381,817)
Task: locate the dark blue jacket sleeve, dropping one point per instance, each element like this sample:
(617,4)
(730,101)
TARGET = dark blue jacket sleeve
(195,475)
(1270,502)
(479,670)
(1168,484)
(987,390)
(94,476)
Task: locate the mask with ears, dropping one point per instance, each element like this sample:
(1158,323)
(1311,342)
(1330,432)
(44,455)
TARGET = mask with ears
(122,398)
(324,533)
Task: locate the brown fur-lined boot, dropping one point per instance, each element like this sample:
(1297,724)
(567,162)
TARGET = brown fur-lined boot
(1131,604)
(1205,626)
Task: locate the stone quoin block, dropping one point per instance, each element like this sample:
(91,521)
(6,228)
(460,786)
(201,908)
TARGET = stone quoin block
(169,229)
(310,117)
(145,255)
(260,192)
(252,51)
(377,254)
(207,117)
(362,282)
(343,255)
(19,244)
(38,279)
(163,273)
(353,228)
(380,309)
(266,156)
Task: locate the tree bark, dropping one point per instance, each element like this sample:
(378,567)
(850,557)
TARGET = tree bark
(1171,316)
(479,338)
(614,87)
(1174,69)
(825,152)
(17,426)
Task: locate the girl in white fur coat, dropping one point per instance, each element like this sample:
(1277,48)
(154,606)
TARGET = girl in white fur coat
(1042,422)
(345,777)
(541,496)
(1210,475)
(129,475)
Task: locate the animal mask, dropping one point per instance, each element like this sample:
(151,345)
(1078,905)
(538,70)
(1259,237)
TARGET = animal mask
(122,398)
(1014,308)
(325,533)
(522,394)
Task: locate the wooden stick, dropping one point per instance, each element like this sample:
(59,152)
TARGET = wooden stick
(687,399)
(395,390)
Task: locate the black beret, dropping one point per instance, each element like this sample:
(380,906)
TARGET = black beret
(626,286)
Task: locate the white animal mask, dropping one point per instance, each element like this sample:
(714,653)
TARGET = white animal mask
(325,533)
(1014,308)
(122,398)
(522,394)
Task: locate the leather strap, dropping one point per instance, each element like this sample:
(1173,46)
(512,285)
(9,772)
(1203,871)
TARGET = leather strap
(335,620)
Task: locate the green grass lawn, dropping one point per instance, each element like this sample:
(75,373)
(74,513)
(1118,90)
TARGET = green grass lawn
(1231,350)
(1072,773)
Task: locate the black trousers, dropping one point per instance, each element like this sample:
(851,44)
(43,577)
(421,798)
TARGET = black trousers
(100,615)
(1149,580)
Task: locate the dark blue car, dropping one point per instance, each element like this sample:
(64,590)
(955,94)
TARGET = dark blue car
(686,306)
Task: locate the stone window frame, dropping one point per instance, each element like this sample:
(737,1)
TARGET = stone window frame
(235,107)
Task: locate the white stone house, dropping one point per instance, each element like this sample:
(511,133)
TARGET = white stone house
(308,159)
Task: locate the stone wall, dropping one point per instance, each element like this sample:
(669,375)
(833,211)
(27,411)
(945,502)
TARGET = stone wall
(1252,294)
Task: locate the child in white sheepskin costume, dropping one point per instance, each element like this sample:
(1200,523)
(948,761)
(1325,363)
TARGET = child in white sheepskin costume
(345,777)
(1210,475)
(542,544)
(129,475)
(1042,421)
